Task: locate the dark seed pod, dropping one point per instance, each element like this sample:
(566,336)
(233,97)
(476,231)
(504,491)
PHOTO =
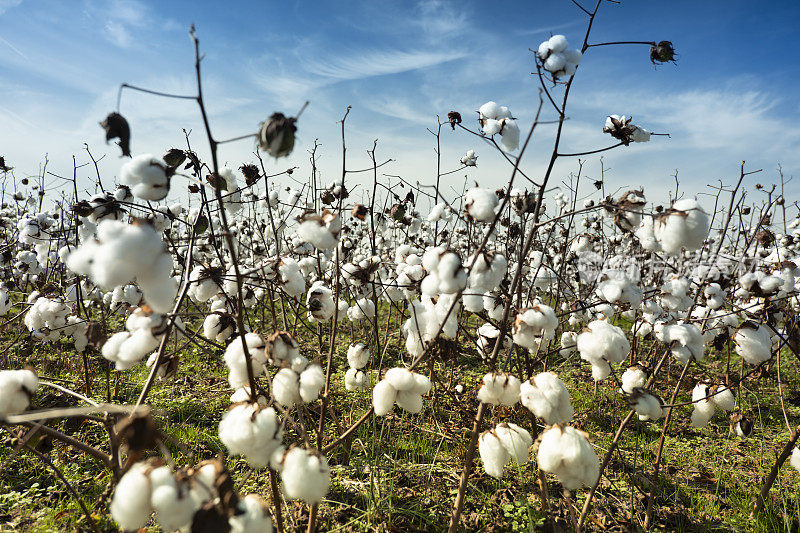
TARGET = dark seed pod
(454,117)
(174,157)
(117,128)
(662,52)
(251,173)
(276,136)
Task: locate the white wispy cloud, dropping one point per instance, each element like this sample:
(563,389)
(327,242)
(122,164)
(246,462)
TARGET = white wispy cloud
(5,5)
(369,63)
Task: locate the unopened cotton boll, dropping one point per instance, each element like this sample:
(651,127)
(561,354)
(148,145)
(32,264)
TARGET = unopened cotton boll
(546,396)
(566,452)
(16,389)
(753,342)
(499,389)
(130,507)
(305,475)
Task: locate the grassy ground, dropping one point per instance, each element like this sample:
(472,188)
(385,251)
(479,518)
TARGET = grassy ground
(400,472)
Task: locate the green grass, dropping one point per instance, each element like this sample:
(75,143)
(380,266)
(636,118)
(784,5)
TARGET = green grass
(401,472)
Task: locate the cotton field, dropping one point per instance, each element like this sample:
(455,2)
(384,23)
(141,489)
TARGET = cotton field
(201,347)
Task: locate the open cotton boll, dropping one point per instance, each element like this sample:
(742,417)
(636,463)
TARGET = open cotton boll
(546,396)
(516,440)
(491,126)
(321,231)
(703,408)
(130,507)
(251,431)
(281,347)
(685,340)
(173,506)
(355,379)
(319,302)
(569,343)
(253,518)
(753,342)
(573,56)
(357,355)
(305,475)
(312,379)
(555,62)
(602,343)
(147,176)
(557,43)
(794,460)
(468,160)
(534,325)
(634,377)
(401,378)
(494,455)
(723,398)
(383,397)
(237,363)
(489,110)
(16,389)
(286,387)
(566,452)
(684,225)
(499,389)
(409,401)
(509,138)
(646,405)
(362,309)
(479,204)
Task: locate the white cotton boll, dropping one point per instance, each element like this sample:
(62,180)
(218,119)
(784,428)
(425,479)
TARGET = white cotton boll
(383,397)
(305,475)
(361,310)
(547,397)
(251,431)
(534,325)
(500,389)
(603,341)
(312,379)
(493,454)
(573,56)
(569,343)
(254,517)
(489,110)
(509,135)
(684,225)
(16,389)
(647,406)
(557,43)
(174,508)
(319,302)
(794,460)
(516,440)
(703,408)
(130,507)
(357,355)
(286,387)
(723,398)
(480,204)
(566,452)
(753,343)
(492,126)
(237,363)
(632,378)
(544,50)
(401,379)
(422,385)
(147,176)
(555,62)
(409,401)
(569,69)
(600,370)
(355,379)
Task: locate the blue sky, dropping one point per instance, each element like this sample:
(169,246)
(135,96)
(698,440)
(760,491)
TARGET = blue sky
(731,96)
